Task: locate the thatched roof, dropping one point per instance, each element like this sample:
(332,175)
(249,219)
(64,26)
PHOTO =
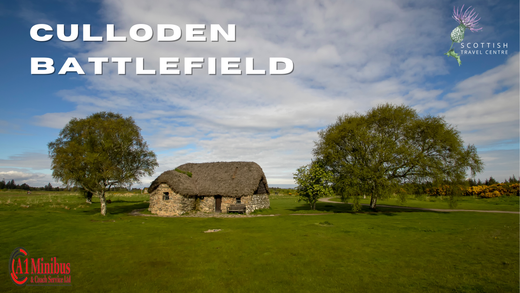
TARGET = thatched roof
(233,179)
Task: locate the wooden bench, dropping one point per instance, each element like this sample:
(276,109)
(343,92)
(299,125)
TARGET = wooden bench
(237,208)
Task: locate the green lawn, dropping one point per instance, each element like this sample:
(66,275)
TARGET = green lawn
(503,203)
(388,251)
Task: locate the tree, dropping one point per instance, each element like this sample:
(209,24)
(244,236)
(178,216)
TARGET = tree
(492,181)
(100,151)
(373,153)
(87,194)
(314,182)
(11,184)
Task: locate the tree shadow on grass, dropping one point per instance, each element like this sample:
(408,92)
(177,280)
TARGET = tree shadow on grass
(323,207)
(116,207)
(365,209)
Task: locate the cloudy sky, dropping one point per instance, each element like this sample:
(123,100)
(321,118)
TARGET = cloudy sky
(348,56)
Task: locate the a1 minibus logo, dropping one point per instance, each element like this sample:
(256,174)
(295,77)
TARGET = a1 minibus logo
(36,272)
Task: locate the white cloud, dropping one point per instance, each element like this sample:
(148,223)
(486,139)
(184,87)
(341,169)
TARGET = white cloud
(55,120)
(21,176)
(348,57)
(500,164)
(34,161)
(485,107)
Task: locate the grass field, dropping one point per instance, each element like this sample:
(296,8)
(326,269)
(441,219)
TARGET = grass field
(389,251)
(503,203)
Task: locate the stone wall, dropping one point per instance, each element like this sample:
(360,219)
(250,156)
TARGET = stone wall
(177,204)
(206,204)
(252,202)
(226,202)
(256,202)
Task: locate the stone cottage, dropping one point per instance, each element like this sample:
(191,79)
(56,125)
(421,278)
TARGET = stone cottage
(209,187)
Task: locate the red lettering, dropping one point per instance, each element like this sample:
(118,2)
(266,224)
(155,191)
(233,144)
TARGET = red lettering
(19,268)
(39,267)
(34,267)
(56,267)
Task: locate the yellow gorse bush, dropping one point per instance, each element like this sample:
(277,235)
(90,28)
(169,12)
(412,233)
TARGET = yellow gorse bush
(484,191)
(441,191)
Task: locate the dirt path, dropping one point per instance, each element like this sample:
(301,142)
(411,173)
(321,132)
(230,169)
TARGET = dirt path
(327,199)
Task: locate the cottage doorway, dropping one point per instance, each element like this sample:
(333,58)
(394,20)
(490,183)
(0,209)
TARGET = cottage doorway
(218,203)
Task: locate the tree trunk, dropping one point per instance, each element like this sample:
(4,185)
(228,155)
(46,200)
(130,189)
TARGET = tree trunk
(103,202)
(373,201)
(89,197)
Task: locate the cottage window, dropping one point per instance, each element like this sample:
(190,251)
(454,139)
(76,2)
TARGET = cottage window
(239,200)
(166,196)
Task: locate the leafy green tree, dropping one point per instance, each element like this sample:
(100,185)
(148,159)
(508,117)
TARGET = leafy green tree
(372,154)
(101,151)
(314,182)
(2,184)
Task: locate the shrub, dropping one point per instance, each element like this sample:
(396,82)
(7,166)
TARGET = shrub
(495,190)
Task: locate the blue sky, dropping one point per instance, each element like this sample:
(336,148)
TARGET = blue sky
(348,56)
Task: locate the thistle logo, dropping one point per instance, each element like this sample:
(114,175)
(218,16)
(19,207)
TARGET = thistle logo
(30,272)
(468,19)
